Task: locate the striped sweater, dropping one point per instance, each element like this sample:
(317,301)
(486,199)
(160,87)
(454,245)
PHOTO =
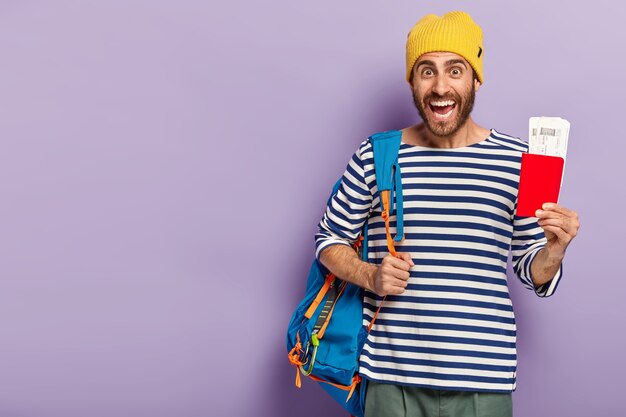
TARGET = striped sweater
(454,327)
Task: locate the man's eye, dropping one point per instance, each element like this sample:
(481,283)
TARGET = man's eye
(456,71)
(427,72)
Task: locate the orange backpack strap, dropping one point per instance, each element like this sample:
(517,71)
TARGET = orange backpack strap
(330,278)
(385,203)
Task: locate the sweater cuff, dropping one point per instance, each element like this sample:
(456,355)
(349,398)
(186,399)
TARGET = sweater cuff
(547,289)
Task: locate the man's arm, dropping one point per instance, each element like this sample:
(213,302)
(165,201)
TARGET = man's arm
(391,277)
(560,226)
(341,225)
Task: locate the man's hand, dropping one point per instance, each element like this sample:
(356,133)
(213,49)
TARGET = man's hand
(560,226)
(392,275)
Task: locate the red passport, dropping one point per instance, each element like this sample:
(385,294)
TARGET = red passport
(539,182)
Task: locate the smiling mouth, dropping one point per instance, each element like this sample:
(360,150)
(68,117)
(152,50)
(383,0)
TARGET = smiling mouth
(442,109)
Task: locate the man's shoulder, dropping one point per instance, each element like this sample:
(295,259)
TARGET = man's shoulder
(508,141)
(365,147)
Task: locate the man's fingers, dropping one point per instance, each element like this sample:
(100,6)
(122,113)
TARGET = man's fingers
(397,262)
(406,257)
(570,227)
(547,214)
(553,207)
(560,233)
(393,275)
(560,217)
(396,287)
(399,283)
(394,291)
(553,214)
(392,270)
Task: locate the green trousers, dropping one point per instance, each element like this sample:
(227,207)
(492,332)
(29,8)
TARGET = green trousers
(389,400)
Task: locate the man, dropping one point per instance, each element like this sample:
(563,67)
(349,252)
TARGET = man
(444,341)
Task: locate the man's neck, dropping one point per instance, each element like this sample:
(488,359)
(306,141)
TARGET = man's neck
(469,134)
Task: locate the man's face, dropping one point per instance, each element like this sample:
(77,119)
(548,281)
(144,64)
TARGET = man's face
(444,88)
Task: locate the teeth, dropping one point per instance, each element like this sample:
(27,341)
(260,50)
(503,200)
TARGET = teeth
(442,103)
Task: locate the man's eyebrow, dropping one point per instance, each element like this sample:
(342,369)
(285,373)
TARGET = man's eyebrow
(425,62)
(454,62)
(448,63)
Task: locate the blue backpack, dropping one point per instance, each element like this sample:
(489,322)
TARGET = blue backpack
(326,350)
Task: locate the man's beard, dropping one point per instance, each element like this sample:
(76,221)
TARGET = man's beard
(463,108)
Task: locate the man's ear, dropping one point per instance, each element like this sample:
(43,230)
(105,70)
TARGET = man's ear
(476,84)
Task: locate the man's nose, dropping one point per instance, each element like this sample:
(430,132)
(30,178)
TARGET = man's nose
(441,85)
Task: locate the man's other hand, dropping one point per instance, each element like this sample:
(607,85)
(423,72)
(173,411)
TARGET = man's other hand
(392,275)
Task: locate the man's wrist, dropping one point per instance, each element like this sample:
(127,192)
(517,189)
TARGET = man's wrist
(553,256)
(545,265)
(369,276)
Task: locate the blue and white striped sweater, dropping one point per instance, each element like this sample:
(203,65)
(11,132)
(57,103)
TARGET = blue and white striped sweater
(453,327)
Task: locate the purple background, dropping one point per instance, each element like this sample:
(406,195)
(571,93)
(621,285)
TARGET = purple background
(163,165)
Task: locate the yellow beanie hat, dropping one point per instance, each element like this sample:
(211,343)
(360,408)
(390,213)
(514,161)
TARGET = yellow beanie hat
(453,32)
